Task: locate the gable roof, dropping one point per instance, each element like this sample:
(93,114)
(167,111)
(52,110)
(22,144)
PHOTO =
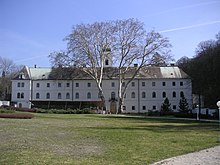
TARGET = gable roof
(149,72)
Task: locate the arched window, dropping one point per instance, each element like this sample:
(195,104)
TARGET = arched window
(154,95)
(77,95)
(164,94)
(37,95)
(143,95)
(67,95)
(174,94)
(113,95)
(22,95)
(18,95)
(88,95)
(133,95)
(59,96)
(48,96)
(181,94)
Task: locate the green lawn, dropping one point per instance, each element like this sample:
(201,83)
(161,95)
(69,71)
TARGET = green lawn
(100,139)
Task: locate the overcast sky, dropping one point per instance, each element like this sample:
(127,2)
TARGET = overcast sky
(31,29)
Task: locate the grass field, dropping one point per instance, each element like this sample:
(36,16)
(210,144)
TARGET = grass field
(100,139)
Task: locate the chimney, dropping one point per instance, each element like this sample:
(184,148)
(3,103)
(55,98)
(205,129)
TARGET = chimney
(35,66)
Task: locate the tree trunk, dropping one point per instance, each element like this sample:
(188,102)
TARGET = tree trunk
(120,96)
(120,105)
(101,94)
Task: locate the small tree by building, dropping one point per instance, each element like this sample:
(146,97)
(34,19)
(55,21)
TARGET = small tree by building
(183,105)
(165,107)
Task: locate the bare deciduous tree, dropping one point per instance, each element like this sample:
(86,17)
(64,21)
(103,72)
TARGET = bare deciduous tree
(7,70)
(89,44)
(135,45)
(7,66)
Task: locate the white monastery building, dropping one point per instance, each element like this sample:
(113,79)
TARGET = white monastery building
(73,88)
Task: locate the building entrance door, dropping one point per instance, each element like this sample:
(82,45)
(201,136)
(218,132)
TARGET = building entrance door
(113,107)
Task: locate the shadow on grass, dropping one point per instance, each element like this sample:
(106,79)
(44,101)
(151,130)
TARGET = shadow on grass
(159,125)
(160,129)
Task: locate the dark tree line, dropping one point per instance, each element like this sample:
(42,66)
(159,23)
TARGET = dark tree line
(204,69)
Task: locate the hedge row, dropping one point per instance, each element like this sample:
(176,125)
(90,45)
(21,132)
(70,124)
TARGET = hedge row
(16,115)
(63,111)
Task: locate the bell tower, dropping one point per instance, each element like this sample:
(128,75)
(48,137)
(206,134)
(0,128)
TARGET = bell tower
(107,58)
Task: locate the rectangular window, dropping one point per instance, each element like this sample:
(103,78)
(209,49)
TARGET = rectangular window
(143,84)
(89,85)
(38,85)
(174,83)
(67,84)
(154,107)
(144,108)
(164,83)
(48,85)
(19,84)
(133,84)
(174,107)
(59,85)
(133,108)
(113,84)
(77,84)
(22,84)
(181,83)
(153,84)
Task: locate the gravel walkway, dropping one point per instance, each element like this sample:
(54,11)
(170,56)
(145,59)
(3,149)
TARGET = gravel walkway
(209,156)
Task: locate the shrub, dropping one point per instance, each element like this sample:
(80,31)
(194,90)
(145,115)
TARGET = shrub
(25,109)
(6,111)
(153,113)
(183,115)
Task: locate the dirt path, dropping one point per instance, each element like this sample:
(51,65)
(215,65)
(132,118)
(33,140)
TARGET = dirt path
(209,156)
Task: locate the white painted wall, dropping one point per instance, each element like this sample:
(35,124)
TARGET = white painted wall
(31,89)
(25,89)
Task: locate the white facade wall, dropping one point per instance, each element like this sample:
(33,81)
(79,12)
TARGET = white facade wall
(86,90)
(21,93)
(57,90)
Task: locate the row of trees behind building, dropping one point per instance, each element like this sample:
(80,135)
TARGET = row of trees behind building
(204,69)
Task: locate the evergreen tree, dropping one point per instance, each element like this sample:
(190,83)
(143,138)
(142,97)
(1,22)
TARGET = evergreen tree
(183,105)
(166,106)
